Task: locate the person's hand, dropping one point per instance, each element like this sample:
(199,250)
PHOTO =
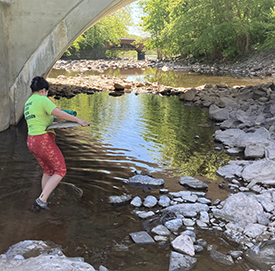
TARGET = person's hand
(83,123)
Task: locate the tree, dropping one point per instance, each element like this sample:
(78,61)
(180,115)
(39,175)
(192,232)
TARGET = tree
(209,28)
(109,29)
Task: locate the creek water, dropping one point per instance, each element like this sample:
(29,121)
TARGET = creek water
(127,134)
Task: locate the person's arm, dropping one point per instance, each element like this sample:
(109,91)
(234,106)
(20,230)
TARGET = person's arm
(63,115)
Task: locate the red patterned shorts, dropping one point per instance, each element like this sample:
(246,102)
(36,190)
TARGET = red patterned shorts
(47,153)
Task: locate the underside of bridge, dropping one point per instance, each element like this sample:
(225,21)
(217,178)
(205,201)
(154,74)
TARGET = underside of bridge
(34,34)
(128,44)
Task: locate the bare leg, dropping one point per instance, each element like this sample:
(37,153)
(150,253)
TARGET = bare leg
(44,180)
(50,185)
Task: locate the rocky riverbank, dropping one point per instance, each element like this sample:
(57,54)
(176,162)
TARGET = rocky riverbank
(245,116)
(259,65)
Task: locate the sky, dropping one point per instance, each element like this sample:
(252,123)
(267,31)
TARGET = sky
(136,14)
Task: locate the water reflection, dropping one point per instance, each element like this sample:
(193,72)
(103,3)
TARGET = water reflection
(174,78)
(153,129)
(126,134)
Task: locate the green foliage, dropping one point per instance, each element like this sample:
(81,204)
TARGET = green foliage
(108,29)
(210,28)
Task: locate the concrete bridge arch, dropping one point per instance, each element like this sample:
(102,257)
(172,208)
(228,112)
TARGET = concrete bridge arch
(33,36)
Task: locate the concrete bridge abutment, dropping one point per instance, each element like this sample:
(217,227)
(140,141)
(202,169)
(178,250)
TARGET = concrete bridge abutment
(34,34)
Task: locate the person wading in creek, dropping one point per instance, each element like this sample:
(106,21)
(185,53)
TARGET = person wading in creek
(39,113)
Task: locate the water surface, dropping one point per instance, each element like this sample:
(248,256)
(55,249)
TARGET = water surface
(127,134)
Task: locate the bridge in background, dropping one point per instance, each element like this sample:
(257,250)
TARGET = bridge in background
(34,34)
(127,44)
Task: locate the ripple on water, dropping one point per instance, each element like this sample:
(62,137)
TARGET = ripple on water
(99,159)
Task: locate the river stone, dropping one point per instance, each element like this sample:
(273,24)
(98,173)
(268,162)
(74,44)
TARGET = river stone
(253,230)
(262,255)
(144,214)
(180,193)
(189,95)
(186,208)
(161,230)
(183,243)
(164,201)
(40,256)
(45,263)
(239,207)
(142,237)
(221,258)
(143,180)
(229,137)
(258,137)
(150,201)
(218,114)
(136,202)
(180,262)
(230,171)
(192,198)
(192,182)
(120,199)
(266,199)
(260,170)
(174,224)
(204,201)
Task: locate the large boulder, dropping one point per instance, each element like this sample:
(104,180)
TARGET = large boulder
(240,207)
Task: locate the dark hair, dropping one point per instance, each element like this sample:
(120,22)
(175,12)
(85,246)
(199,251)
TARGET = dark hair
(39,83)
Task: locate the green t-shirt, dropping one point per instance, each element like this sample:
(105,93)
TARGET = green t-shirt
(37,113)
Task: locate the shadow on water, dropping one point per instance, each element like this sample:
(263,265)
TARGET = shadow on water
(126,134)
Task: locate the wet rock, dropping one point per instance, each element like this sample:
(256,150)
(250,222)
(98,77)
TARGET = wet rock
(40,256)
(117,200)
(136,202)
(262,255)
(150,201)
(186,208)
(161,230)
(142,237)
(189,95)
(102,268)
(253,230)
(188,222)
(184,244)
(239,207)
(204,217)
(192,182)
(144,214)
(180,194)
(179,262)
(218,114)
(230,171)
(221,258)
(260,170)
(164,201)
(142,180)
(204,201)
(161,239)
(174,225)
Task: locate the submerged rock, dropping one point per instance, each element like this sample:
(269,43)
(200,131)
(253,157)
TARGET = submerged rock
(179,262)
(143,180)
(192,182)
(262,255)
(38,255)
(142,237)
(117,200)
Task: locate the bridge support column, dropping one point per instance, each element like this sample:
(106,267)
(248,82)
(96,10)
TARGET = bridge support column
(141,55)
(4,75)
